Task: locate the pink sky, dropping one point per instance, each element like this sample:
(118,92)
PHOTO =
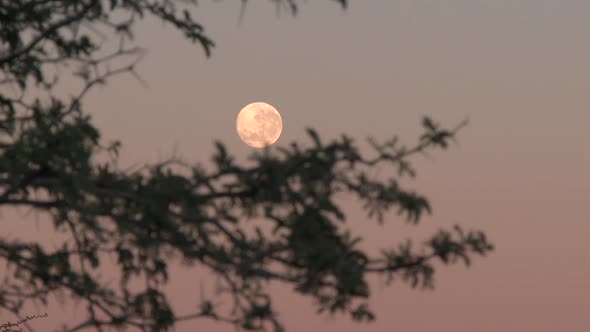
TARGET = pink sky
(518,69)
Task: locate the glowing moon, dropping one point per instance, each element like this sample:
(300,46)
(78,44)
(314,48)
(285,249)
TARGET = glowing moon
(259,124)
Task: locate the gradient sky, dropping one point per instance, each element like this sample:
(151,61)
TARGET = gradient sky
(519,69)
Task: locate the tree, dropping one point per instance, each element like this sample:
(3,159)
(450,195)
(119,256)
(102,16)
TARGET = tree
(52,160)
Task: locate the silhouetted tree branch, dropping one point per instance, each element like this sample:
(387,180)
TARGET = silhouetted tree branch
(273,220)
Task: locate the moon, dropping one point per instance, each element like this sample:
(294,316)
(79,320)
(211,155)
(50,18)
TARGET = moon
(259,124)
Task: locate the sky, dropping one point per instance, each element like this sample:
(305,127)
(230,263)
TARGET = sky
(518,69)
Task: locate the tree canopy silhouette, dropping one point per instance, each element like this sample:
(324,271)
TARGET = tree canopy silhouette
(53,161)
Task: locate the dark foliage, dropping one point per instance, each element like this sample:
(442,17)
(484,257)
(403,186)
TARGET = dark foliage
(275,219)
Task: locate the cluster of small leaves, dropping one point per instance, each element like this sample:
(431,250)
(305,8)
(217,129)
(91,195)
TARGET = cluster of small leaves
(275,219)
(41,39)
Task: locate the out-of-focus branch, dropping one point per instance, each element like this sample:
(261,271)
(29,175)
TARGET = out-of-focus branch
(5,59)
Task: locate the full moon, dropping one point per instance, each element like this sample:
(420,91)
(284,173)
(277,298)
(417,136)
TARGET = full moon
(259,124)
